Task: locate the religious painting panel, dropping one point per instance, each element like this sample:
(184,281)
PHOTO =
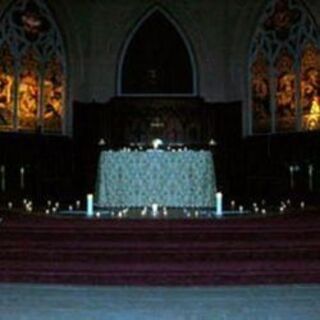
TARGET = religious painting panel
(260,95)
(285,92)
(28,96)
(6,88)
(310,87)
(53,96)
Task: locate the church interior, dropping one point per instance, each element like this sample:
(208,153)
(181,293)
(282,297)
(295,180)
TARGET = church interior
(169,147)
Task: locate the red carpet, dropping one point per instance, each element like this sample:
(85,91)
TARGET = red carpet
(278,249)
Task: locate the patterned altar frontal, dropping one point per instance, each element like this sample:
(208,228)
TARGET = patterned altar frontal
(167,178)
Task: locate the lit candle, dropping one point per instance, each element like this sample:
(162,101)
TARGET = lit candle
(302,205)
(3,178)
(310,173)
(241,209)
(232,204)
(291,169)
(22,171)
(144,212)
(165,211)
(219,203)
(89,205)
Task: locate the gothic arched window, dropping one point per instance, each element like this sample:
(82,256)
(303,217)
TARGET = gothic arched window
(157,58)
(32,69)
(284,70)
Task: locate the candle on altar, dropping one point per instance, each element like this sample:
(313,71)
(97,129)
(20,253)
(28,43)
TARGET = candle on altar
(89,205)
(219,197)
(3,178)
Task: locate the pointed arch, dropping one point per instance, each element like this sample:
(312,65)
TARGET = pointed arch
(284,31)
(157,79)
(29,30)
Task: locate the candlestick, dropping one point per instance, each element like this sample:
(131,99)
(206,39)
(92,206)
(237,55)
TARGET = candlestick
(22,172)
(3,178)
(310,174)
(89,205)
(291,170)
(219,203)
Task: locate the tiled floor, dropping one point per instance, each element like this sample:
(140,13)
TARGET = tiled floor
(46,302)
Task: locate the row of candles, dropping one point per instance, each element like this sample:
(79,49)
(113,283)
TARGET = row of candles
(155,210)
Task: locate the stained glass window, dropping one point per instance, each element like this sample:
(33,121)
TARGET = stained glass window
(284,70)
(32,69)
(6,87)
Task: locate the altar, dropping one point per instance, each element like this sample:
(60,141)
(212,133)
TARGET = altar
(168,178)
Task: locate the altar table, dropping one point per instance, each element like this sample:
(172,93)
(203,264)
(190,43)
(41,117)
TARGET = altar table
(167,178)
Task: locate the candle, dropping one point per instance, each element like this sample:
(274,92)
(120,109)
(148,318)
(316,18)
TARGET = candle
(154,208)
(310,173)
(144,212)
(219,203)
(232,204)
(89,205)
(78,204)
(241,209)
(3,178)
(302,205)
(291,169)
(22,171)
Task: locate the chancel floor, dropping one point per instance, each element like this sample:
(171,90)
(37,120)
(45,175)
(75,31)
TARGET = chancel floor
(33,302)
